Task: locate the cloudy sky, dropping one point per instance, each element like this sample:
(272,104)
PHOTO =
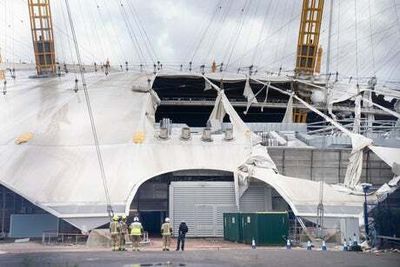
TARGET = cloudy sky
(365,33)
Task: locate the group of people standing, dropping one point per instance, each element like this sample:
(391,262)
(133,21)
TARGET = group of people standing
(120,230)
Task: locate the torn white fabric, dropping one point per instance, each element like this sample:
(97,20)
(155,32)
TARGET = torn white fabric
(389,155)
(303,195)
(354,168)
(357,115)
(343,91)
(207,85)
(248,93)
(387,188)
(359,142)
(238,125)
(218,113)
(391,112)
(259,158)
(288,118)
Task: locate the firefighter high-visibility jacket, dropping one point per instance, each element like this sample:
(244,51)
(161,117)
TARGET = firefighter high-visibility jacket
(115,227)
(166,229)
(136,229)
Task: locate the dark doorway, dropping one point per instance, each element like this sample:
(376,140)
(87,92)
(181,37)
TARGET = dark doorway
(152,220)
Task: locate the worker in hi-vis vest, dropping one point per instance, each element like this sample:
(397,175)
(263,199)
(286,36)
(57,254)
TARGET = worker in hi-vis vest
(114,230)
(166,232)
(123,233)
(136,230)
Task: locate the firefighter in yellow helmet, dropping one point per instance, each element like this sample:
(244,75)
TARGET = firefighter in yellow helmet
(166,232)
(123,233)
(115,230)
(135,233)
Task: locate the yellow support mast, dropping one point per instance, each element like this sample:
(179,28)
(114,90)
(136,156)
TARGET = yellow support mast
(2,75)
(42,36)
(317,69)
(309,54)
(308,42)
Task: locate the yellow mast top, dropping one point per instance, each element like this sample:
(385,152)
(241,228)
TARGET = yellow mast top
(308,41)
(42,36)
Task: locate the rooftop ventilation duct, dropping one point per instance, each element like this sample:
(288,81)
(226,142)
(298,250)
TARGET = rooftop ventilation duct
(228,134)
(185,134)
(163,133)
(165,125)
(206,137)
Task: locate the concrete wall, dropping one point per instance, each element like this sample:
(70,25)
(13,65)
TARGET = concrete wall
(327,164)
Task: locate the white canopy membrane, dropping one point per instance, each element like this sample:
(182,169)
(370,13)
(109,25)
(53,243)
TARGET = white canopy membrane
(56,169)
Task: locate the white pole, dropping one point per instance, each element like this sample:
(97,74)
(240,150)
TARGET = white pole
(328,50)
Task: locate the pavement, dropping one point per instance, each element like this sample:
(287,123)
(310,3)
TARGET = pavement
(212,253)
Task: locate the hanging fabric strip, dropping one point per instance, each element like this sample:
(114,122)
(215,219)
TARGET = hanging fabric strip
(359,142)
(357,115)
(288,118)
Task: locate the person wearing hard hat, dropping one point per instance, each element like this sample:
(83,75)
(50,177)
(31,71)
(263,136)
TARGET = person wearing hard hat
(114,230)
(123,233)
(136,230)
(183,229)
(166,232)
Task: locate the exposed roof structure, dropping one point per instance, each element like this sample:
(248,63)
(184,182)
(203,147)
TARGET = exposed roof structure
(56,166)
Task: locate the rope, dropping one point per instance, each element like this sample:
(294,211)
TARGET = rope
(131,33)
(92,124)
(338,38)
(206,30)
(214,36)
(144,35)
(244,13)
(356,37)
(69,44)
(256,7)
(371,33)
(113,28)
(261,33)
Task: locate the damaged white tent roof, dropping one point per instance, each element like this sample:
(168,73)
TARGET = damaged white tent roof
(57,169)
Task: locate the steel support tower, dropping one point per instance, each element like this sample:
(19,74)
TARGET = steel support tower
(307,45)
(2,75)
(42,36)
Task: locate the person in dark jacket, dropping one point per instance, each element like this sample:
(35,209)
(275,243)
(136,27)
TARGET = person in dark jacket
(183,229)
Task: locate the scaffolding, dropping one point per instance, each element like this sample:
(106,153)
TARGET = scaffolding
(42,36)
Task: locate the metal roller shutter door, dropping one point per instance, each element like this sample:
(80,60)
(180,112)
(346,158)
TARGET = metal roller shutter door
(201,205)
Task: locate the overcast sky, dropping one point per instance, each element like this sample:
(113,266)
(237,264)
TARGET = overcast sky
(237,32)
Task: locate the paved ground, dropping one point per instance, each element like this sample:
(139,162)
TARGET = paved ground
(208,253)
(207,258)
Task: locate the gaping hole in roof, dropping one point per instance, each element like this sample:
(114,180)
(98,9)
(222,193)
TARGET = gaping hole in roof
(184,100)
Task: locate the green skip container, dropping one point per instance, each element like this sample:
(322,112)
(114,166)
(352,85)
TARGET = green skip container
(232,227)
(267,228)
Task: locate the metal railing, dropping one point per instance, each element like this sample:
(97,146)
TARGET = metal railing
(53,238)
(377,128)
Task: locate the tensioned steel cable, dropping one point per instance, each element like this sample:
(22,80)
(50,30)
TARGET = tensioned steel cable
(142,32)
(89,107)
(206,30)
(131,33)
(372,40)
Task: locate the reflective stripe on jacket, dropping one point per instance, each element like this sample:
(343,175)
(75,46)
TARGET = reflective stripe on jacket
(166,229)
(124,228)
(114,227)
(136,228)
